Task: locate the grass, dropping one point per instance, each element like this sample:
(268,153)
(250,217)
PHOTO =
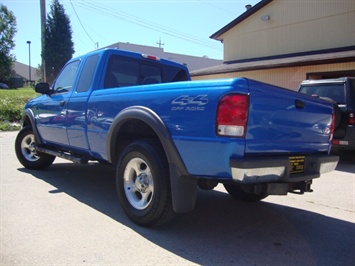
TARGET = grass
(12,103)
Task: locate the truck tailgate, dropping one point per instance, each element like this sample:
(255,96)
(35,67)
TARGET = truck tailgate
(284,121)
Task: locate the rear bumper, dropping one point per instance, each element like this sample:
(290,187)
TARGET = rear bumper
(277,169)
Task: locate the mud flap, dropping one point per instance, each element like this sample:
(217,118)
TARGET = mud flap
(183,191)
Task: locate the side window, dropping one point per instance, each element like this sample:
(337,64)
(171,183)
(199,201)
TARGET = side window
(87,74)
(180,76)
(66,78)
(308,90)
(173,74)
(351,91)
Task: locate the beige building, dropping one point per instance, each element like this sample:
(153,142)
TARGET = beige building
(283,42)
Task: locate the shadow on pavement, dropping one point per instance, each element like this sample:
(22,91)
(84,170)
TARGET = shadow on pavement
(220,230)
(347,163)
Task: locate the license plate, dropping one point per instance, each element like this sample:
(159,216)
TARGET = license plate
(297,164)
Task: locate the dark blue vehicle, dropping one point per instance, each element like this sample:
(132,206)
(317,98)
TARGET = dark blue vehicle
(168,135)
(341,91)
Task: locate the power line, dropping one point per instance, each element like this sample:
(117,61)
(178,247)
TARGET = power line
(217,7)
(95,43)
(116,14)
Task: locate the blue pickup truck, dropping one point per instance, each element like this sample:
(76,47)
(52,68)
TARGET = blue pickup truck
(168,135)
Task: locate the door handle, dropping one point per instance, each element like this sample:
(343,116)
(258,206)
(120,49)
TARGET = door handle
(62,103)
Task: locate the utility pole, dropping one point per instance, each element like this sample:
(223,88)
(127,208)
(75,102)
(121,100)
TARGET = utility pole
(43,33)
(160,43)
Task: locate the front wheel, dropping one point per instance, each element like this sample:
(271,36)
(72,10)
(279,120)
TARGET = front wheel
(238,192)
(143,183)
(25,148)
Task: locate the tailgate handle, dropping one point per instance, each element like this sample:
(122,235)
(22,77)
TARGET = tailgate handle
(299,104)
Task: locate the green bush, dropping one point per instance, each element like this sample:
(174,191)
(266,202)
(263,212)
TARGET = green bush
(12,103)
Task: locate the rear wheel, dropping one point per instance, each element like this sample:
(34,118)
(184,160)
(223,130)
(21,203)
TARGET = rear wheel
(143,183)
(239,192)
(25,148)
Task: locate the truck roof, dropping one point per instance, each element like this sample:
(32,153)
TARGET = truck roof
(133,55)
(325,81)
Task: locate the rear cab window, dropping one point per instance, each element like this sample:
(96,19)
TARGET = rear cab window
(127,71)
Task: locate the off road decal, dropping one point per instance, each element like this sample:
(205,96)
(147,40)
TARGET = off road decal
(189,103)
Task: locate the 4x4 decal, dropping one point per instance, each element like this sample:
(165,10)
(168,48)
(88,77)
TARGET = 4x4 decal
(189,103)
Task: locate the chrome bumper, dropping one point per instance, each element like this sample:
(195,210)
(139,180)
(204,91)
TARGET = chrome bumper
(277,169)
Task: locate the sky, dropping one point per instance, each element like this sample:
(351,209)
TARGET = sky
(181,26)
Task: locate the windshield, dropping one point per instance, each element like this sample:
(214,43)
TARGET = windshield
(332,91)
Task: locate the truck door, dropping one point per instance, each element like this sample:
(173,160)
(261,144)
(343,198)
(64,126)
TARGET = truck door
(77,114)
(52,113)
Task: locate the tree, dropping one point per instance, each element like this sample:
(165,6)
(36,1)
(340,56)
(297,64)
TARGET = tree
(7,32)
(58,45)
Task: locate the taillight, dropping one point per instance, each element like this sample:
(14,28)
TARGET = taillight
(232,115)
(351,119)
(151,57)
(332,127)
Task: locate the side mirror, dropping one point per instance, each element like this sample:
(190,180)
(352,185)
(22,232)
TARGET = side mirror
(43,88)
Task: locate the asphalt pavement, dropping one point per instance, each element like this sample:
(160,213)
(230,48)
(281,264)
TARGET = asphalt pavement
(69,214)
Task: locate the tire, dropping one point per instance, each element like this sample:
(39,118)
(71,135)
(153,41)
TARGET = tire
(143,183)
(25,148)
(337,111)
(237,192)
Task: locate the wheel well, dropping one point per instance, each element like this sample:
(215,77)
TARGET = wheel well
(130,130)
(26,122)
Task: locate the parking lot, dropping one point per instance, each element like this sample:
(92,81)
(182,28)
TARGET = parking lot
(69,214)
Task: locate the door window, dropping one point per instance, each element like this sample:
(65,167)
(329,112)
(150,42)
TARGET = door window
(87,74)
(65,81)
